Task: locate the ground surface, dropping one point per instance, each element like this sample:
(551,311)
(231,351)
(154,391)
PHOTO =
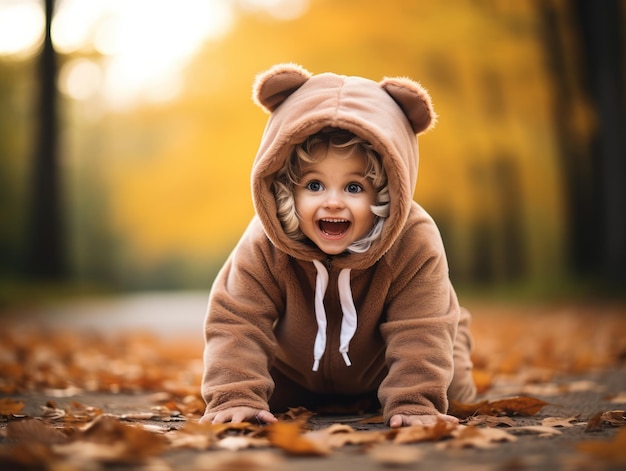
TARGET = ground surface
(113,384)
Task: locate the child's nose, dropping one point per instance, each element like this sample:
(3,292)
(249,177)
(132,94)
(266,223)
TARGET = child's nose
(333,200)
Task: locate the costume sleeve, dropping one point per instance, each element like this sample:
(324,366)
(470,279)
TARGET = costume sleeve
(239,339)
(420,328)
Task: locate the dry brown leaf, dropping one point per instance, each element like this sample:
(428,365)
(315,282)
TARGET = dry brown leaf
(611,451)
(34,431)
(472,437)
(523,405)
(26,455)
(614,418)
(464,410)
(389,454)
(10,406)
(125,443)
(541,430)
(180,439)
(490,421)
(300,414)
(288,437)
(421,433)
(513,406)
(241,443)
(250,461)
(558,421)
(339,435)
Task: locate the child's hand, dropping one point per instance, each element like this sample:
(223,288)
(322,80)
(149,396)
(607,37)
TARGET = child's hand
(239,414)
(401,420)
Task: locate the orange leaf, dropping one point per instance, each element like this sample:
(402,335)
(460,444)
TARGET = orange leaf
(421,433)
(472,437)
(525,406)
(287,436)
(612,451)
(10,406)
(463,410)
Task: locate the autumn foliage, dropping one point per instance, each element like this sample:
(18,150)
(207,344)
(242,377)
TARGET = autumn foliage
(523,357)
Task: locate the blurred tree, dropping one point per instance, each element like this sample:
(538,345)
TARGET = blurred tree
(602,41)
(592,155)
(45,250)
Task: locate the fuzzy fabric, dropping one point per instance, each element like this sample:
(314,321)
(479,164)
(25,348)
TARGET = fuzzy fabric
(412,342)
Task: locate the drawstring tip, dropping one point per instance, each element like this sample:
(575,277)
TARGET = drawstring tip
(346,358)
(316,365)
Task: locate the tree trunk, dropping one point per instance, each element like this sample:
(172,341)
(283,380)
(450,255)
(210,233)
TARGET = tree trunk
(46,254)
(599,24)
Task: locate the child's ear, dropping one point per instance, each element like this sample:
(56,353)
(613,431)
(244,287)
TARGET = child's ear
(273,86)
(414,101)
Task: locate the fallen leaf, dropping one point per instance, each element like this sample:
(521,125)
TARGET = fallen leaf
(288,437)
(464,410)
(473,437)
(339,435)
(558,421)
(541,430)
(121,442)
(523,405)
(490,421)
(300,414)
(514,406)
(250,461)
(613,418)
(10,406)
(241,443)
(611,451)
(421,433)
(389,454)
(34,431)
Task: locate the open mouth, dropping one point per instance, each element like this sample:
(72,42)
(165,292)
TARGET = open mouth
(333,227)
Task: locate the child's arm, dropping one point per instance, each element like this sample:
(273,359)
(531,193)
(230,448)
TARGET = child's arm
(239,338)
(419,330)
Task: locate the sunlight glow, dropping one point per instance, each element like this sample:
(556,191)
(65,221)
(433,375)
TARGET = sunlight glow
(21,27)
(146,43)
(143,45)
(279,9)
(80,79)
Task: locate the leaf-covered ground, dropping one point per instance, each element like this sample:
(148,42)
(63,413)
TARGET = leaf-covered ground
(552,380)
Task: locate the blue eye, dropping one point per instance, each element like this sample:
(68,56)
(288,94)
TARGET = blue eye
(314,186)
(354,188)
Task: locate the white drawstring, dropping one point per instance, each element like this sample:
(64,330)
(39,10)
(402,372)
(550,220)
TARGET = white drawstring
(348,321)
(321,283)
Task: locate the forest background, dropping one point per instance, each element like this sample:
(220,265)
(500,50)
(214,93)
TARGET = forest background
(140,180)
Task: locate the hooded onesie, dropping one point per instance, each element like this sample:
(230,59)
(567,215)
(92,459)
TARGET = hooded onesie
(288,325)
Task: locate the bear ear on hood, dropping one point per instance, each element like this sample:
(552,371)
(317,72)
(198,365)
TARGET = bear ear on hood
(414,101)
(273,86)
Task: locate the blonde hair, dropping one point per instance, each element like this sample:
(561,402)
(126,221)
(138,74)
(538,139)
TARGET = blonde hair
(344,143)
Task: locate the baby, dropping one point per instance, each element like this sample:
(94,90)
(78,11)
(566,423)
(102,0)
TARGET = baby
(338,294)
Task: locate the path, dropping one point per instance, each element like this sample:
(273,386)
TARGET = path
(174,315)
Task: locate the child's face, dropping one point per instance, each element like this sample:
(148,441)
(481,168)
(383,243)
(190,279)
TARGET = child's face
(333,200)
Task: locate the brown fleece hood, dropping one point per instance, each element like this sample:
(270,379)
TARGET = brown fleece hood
(388,114)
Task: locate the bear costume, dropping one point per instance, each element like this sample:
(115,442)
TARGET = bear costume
(288,325)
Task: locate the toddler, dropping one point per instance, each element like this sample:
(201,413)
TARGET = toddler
(338,294)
